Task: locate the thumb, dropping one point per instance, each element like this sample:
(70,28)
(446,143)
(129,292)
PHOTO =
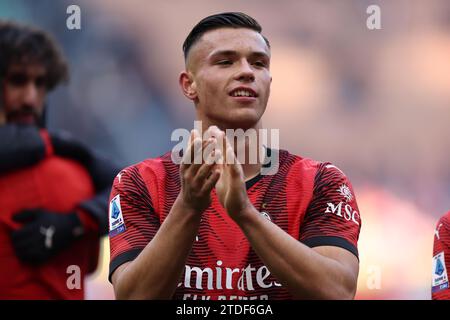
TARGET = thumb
(25,216)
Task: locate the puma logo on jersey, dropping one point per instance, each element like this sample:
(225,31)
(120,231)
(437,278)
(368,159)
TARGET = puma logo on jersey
(436,232)
(119,175)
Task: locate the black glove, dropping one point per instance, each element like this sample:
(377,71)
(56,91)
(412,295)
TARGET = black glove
(44,234)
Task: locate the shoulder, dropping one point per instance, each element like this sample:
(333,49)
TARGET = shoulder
(445,218)
(303,167)
(444,222)
(148,170)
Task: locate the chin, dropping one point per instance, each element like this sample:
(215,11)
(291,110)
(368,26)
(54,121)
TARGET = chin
(242,121)
(237,117)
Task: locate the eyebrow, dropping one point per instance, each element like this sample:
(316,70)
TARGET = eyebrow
(235,53)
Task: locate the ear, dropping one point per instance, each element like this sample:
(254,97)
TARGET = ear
(188,85)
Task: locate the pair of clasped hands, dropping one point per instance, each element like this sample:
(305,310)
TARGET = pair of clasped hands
(209,163)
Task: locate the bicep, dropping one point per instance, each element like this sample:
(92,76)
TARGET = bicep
(117,274)
(132,225)
(348,262)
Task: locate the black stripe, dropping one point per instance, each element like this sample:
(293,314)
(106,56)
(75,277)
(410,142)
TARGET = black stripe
(254,180)
(331,241)
(121,259)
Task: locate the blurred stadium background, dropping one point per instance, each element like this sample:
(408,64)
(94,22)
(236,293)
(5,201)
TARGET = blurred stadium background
(375,103)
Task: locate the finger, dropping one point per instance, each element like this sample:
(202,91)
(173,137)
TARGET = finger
(215,131)
(229,157)
(205,170)
(188,155)
(197,144)
(25,216)
(212,180)
(198,157)
(187,151)
(232,163)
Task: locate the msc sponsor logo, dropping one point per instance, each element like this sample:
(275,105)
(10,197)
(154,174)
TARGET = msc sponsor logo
(343,210)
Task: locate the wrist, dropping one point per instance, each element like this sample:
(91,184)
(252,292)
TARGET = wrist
(189,211)
(245,215)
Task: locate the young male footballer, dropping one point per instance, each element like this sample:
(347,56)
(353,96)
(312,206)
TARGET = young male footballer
(221,229)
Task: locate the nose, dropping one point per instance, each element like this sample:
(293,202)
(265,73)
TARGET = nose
(31,94)
(245,73)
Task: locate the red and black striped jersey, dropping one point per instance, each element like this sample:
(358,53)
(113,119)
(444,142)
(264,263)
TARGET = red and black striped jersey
(441,259)
(313,202)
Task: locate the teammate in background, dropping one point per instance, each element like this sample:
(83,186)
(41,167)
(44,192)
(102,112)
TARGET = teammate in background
(215,230)
(441,260)
(53,190)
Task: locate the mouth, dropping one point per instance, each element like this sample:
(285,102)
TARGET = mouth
(243,94)
(22,118)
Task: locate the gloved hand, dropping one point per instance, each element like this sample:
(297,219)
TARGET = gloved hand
(44,234)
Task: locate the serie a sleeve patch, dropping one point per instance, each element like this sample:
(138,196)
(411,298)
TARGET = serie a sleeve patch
(116,221)
(440,278)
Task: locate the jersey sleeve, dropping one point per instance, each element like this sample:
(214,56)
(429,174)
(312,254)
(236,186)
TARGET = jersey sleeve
(441,260)
(132,220)
(332,217)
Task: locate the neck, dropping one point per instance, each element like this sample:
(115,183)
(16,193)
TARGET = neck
(250,168)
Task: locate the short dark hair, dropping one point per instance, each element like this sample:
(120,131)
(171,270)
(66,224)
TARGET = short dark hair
(221,20)
(24,44)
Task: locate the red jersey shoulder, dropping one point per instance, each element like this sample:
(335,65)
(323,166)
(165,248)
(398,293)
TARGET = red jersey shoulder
(327,179)
(332,215)
(337,194)
(442,233)
(304,164)
(444,223)
(141,185)
(147,170)
(132,218)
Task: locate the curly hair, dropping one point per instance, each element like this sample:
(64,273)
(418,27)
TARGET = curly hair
(26,45)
